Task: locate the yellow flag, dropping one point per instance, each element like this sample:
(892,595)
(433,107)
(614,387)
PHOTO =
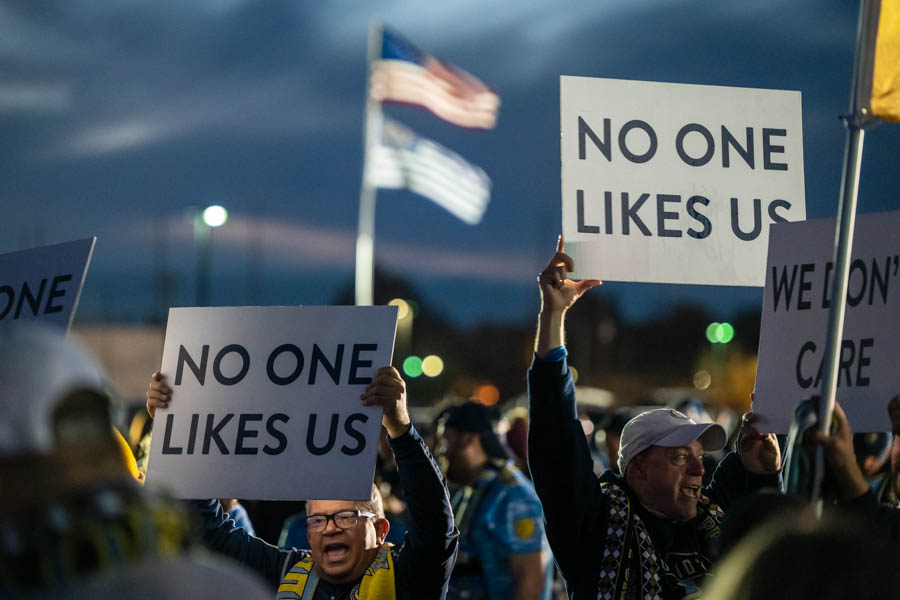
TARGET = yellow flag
(885,98)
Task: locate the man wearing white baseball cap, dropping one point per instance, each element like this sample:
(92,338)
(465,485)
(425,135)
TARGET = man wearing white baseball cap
(649,532)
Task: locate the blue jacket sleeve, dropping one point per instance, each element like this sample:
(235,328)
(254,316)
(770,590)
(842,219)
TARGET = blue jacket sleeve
(428,554)
(575,506)
(221,534)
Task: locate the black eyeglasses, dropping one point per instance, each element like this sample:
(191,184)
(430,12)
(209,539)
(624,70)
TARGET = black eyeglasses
(344,519)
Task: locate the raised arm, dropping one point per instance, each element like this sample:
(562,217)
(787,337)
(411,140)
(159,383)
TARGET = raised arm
(222,535)
(429,551)
(558,454)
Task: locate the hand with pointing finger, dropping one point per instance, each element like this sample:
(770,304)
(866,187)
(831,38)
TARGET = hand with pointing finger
(557,292)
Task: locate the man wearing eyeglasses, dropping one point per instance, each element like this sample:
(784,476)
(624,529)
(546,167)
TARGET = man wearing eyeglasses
(347,556)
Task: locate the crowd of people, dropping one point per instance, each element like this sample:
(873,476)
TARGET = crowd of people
(452,513)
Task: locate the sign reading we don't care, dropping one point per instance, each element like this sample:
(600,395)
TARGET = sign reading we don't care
(796,305)
(676,183)
(266,402)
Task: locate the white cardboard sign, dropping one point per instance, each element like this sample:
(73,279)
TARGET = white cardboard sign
(266,402)
(44,284)
(675,183)
(797,296)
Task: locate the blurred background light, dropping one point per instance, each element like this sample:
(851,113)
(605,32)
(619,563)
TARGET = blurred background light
(412,366)
(432,365)
(403,310)
(215,215)
(487,394)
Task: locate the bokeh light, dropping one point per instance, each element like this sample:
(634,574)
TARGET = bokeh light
(702,379)
(727,333)
(403,309)
(215,215)
(412,366)
(432,365)
(488,395)
(720,333)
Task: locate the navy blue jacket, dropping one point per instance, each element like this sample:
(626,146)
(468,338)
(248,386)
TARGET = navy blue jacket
(576,505)
(424,561)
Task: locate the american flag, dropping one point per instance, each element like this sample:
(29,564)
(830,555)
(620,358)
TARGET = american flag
(403,159)
(403,73)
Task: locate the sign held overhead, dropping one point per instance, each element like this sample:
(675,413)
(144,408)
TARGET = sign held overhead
(266,402)
(675,183)
(796,302)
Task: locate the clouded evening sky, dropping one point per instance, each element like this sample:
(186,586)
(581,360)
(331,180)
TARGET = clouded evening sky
(117,116)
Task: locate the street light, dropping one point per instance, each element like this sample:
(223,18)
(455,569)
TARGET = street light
(215,215)
(204,222)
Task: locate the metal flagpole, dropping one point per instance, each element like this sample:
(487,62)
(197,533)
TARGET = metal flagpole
(365,239)
(856,121)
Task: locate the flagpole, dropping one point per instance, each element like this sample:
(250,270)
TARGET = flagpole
(365,239)
(856,121)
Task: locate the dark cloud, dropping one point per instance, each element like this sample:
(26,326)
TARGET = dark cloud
(113,113)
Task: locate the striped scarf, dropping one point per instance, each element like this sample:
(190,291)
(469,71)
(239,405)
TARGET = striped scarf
(300,582)
(626,532)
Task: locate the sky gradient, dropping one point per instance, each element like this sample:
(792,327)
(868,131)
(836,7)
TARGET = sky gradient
(117,117)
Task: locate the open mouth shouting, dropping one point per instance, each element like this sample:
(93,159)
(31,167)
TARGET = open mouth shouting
(336,551)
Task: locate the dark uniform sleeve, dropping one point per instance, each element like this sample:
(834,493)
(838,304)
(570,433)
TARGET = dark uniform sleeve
(220,534)
(731,481)
(575,506)
(428,553)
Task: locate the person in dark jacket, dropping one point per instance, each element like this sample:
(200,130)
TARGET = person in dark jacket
(347,556)
(650,532)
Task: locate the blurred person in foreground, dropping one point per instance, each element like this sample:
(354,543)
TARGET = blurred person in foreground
(503,552)
(801,557)
(73,516)
(348,557)
(650,532)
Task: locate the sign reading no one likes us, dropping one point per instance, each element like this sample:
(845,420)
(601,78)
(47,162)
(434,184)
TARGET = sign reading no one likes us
(675,183)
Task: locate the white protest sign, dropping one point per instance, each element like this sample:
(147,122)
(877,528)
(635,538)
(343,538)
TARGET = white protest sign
(674,183)
(795,320)
(266,402)
(44,284)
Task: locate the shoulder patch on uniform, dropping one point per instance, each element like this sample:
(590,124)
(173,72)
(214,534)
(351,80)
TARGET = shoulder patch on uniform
(524,528)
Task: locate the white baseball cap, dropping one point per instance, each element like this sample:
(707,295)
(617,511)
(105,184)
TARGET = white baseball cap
(38,367)
(669,428)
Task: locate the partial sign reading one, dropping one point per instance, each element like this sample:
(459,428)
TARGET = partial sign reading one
(673,183)
(266,402)
(796,305)
(44,284)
